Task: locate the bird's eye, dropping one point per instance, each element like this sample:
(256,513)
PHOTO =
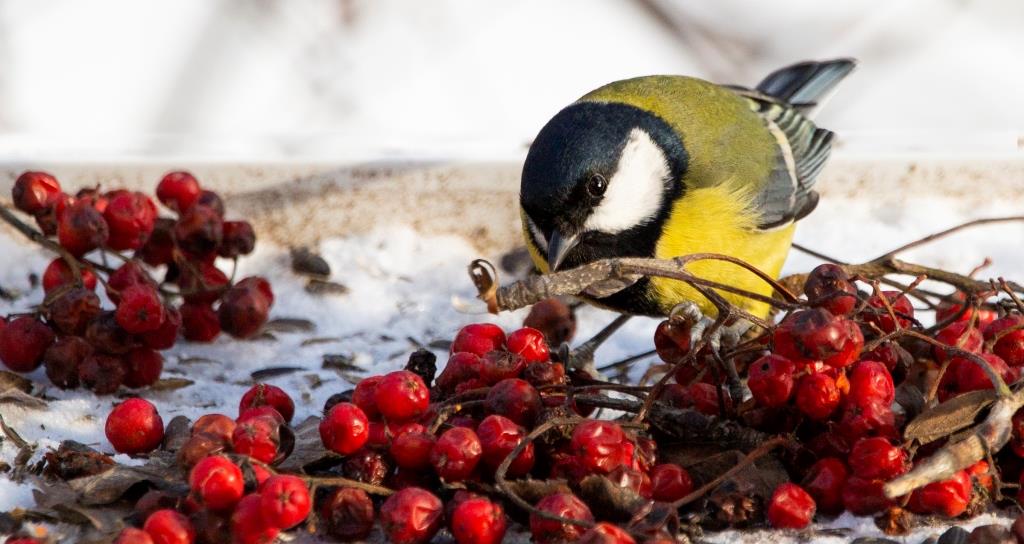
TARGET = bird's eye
(597,185)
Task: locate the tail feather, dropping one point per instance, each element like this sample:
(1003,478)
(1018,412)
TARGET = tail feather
(806,84)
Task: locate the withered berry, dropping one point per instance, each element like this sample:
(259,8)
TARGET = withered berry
(456,454)
(564,505)
(411,516)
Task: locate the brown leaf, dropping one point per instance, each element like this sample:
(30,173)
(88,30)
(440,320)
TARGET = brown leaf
(177,432)
(171,384)
(323,287)
(14,389)
(10,380)
(75,460)
(533,491)
(289,324)
(949,417)
(307,262)
(320,340)
(274,371)
(610,501)
(342,362)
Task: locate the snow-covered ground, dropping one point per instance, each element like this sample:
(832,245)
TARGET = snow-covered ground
(401,284)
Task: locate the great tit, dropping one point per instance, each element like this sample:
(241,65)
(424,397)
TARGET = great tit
(664,166)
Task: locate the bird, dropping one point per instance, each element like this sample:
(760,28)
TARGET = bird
(664,166)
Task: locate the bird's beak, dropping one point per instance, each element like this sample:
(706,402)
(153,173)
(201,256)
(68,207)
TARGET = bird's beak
(558,247)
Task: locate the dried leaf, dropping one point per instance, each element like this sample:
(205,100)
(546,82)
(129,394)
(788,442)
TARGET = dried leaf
(533,491)
(274,371)
(949,417)
(109,486)
(289,324)
(320,340)
(197,360)
(14,389)
(12,435)
(610,501)
(10,380)
(323,287)
(341,362)
(75,460)
(171,384)
(177,432)
(307,262)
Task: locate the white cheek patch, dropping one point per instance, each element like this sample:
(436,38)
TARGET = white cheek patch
(535,233)
(635,190)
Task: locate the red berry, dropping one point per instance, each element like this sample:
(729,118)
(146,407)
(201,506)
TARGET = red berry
(959,335)
(72,311)
(411,450)
(127,275)
(164,336)
(499,436)
(877,313)
(142,367)
(58,273)
(345,428)
(1008,335)
(817,396)
(704,398)
(565,505)
(411,516)
(23,343)
(81,229)
(199,322)
(285,500)
(101,374)
(258,437)
(211,200)
(606,533)
(501,365)
(825,481)
(863,497)
(169,527)
(140,310)
(478,521)
(867,418)
(159,247)
(672,340)
(402,396)
(249,525)
(218,425)
(239,239)
(363,396)
(130,217)
(456,454)
(947,498)
(876,458)
(479,338)
(598,445)
(813,335)
(830,287)
(243,311)
(199,231)
(530,344)
(462,366)
(218,482)
(259,285)
(63,358)
(515,399)
(204,283)
(971,377)
(35,192)
(263,394)
(554,318)
(135,426)
(348,514)
(670,482)
(790,507)
(178,191)
(128,535)
(870,381)
(771,380)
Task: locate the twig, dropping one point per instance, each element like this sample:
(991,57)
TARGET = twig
(747,461)
(41,239)
(941,234)
(331,480)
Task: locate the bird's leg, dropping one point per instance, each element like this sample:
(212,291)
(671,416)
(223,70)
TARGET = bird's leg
(727,336)
(582,358)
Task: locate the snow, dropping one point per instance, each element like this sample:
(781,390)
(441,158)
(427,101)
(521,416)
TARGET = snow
(401,285)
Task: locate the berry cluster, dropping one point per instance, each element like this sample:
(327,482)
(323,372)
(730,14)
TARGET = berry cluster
(80,342)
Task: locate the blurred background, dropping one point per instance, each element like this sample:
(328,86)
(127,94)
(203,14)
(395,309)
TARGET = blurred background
(336,80)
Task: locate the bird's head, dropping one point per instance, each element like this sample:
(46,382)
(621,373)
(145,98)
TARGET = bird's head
(599,182)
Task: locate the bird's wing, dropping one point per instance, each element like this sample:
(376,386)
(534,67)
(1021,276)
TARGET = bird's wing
(788,194)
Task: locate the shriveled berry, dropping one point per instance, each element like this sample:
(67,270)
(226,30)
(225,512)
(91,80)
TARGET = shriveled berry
(169,527)
(825,481)
(23,342)
(876,458)
(127,275)
(345,429)
(670,482)
(203,284)
(159,247)
(479,338)
(542,374)
(877,313)
(218,425)
(199,322)
(830,287)
(63,358)
(81,228)
(199,231)
(58,273)
(530,344)
(178,191)
(817,396)
(462,366)
(72,311)
(101,374)
(813,335)
(129,535)
(239,239)
(285,500)
(790,507)
(258,437)
(140,310)
(499,436)
(243,312)
(218,482)
(501,365)
(770,380)
(263,394)
(35,192)
(554,318)
(515,399)
(564,505)
(134,426)
(142,367)
(106,335)
(200,446)
(598,445)
(166,335)
(606,533)
(367,465)
(130,217)
(402,396)
(863,496)
(478,521)
(456,454)
(672,340)
(871,418)
(411,516)
(249,525)
(212,200)
(348,514)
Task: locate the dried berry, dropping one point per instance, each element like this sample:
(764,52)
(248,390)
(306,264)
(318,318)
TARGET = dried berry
(348,514)
(411,516)
(456,454)
(564,505)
